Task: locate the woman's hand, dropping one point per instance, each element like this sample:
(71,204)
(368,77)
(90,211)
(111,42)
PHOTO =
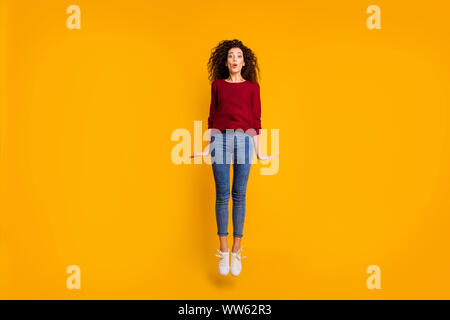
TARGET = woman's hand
(200,154)
(205,152)
(264,157)
(258,150)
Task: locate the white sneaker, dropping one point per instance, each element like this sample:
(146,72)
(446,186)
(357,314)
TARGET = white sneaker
(236,265)
(224,262)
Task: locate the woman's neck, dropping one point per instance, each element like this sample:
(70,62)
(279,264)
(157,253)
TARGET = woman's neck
(235,78)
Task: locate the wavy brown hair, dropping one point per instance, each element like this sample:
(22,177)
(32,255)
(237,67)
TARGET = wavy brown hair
(216,63)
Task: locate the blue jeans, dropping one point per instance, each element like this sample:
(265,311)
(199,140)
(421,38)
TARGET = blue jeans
(223,146)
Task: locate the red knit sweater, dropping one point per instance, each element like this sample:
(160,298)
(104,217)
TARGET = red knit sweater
(235,106)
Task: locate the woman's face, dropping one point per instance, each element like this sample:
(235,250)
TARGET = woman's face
(235,60)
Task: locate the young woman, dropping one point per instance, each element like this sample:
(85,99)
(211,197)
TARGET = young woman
(235,123)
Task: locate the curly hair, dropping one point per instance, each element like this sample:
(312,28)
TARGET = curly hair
(216,63)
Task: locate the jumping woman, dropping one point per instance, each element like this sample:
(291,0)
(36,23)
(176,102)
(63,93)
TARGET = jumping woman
(235,123)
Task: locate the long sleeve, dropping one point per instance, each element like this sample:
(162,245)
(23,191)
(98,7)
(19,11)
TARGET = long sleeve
(213,105)
(256,109)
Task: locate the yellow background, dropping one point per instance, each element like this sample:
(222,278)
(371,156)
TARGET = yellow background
(87,178)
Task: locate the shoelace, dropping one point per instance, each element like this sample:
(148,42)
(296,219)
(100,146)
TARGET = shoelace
(221,254)
(237,254)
